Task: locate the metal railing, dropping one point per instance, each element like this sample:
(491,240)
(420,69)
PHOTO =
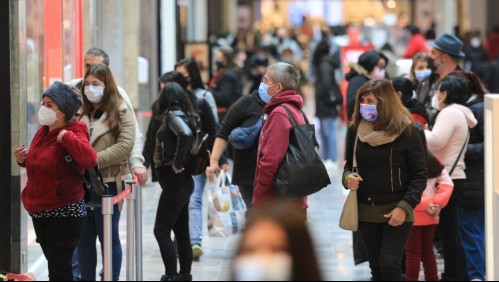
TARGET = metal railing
(133,196)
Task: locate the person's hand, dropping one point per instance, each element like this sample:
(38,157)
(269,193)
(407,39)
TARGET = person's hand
(176,170)
(141,174)
(225,167)
(397,217)
(20,154)
(211,171)
(61,134)
(353,181)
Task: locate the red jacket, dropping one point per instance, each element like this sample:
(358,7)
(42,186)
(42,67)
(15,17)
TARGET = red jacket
(417,44)
(433,195)
(273,145)
(52,182)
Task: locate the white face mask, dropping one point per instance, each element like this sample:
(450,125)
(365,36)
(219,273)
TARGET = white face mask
(94,93)
(47,116)
(435,103)
(378,73)
(275,267)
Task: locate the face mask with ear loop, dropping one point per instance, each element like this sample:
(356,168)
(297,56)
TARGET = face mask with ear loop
(47,116)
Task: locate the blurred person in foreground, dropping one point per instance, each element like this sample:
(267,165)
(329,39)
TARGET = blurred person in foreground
(276,246)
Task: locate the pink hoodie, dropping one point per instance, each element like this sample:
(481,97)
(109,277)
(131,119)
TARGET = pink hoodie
(433,195)
(447,138)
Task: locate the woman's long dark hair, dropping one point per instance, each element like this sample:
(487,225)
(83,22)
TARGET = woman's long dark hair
(305,266)
(194,73)
(174,95)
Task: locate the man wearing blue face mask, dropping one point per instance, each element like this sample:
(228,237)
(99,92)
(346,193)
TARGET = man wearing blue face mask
(277,90)
(446,54)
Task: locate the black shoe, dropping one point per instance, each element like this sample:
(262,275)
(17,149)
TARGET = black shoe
(170,277)
(184,277)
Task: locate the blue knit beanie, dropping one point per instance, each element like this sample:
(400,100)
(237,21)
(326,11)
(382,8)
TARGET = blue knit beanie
(68,101)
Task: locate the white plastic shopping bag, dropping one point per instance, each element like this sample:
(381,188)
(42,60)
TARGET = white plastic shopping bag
(226,208)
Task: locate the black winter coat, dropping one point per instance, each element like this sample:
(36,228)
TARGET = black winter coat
(327,91)
(391,172)
(174,139)
(227,89)
(474,193)
(207,124)
(244,113)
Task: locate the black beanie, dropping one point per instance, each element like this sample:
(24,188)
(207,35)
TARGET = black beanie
(370,59)
(68,101)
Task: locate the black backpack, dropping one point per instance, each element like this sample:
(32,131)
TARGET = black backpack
(302,172)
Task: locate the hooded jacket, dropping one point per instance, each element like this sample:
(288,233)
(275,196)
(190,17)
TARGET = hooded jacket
(52,182)
(433,195)
(448,135)
(273,145)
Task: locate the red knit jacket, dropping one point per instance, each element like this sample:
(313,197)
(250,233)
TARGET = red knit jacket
(52,182)
(274,143)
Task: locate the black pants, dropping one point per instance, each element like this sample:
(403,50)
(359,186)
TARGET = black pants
(449,235)
(173,215)
(385,247)
(58,238)
(247,194)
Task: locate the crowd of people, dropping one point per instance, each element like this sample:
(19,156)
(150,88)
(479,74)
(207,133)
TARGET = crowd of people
(414,153)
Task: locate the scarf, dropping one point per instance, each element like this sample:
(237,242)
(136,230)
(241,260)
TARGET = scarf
(368,135)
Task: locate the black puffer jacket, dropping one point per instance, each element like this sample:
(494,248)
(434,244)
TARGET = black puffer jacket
(392,172)
(174,139)
(473,197)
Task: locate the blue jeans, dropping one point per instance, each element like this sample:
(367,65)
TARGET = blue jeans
(329,147)
(472,231)
(93,228)
(196,210)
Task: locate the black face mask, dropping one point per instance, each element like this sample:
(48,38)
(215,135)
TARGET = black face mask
(219,64)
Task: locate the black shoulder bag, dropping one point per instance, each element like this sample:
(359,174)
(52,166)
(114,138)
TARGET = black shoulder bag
(92,183)
(302,172)
(460,154)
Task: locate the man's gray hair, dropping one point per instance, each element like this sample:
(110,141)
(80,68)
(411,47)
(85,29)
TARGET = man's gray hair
(286,74)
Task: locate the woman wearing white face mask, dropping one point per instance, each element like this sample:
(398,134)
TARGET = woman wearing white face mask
(276,246)
(54,192)
(447,141)
(112,134)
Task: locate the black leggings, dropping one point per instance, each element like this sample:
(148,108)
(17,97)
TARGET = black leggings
(173,214)
(449,235)
(385,247)
(58,238)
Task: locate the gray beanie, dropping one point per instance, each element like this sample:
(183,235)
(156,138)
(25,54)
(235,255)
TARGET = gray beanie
(68,101)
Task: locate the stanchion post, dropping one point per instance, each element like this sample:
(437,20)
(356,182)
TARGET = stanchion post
(138,233)
(107,214)
(130,238)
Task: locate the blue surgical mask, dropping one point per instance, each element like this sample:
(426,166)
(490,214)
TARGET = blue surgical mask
(263,91)
(422,74)
(369,112)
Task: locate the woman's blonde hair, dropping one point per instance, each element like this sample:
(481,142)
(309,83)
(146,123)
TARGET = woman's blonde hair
(111,101)
(394,117)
